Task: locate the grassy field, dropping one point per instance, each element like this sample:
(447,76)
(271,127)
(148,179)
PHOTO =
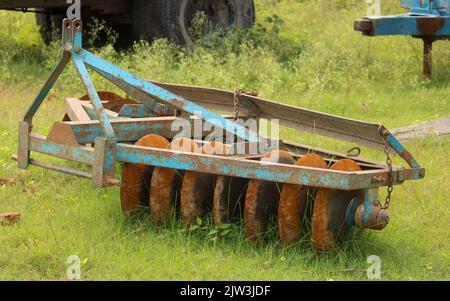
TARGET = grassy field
(299,53)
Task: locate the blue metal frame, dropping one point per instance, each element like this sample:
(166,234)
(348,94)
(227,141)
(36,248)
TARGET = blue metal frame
(435,7)
(410,24)
(425,18)
(109,147)
(428,20)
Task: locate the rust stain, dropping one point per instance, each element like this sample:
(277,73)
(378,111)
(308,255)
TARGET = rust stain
(176,103)
(365,26)
(429,26)
(293,201)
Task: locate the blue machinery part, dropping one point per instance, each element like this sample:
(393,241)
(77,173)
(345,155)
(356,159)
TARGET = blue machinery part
(104,138)
(428,20)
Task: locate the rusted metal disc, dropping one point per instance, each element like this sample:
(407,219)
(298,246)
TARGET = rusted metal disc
(330,206)
(197,190)
(104,95)
(116,105)
(185,145)
(215,148)
(229,197)
(136,178)
(261,200)
(293,202)
(164,190)
(113,101)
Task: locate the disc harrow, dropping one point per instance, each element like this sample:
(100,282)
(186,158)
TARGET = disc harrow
(193,173)
(293,203)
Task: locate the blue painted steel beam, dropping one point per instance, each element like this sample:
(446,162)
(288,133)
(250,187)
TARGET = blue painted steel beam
(129,130)
(79,154)
(401,151)
(145,99)
(47,87)
(95,99)
(227,166)
(126,129)
(434,7)
(87,82)
(168,97)
(420,26)
(250,169)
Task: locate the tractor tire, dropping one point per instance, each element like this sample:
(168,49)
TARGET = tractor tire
(44,23)
(171,19)
(50,26)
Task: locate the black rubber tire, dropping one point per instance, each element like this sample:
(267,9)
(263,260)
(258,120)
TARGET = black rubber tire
(50,26)
(146,22)
(171,18)
(125,39)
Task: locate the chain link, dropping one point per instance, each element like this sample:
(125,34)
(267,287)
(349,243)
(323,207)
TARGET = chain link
(390,187)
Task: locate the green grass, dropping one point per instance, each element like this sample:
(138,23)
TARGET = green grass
(312,59)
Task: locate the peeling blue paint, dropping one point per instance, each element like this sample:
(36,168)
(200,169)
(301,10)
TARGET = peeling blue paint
(168,97)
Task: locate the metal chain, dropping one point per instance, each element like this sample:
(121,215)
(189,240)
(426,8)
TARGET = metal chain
(390,187)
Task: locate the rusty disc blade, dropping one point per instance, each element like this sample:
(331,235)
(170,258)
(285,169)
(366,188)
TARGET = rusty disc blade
(229,196)
(293,202)
(164,190)
(261,199)
(103,95)
(330,206)
(185,145)
(113,102)
(136,178)
(197,190)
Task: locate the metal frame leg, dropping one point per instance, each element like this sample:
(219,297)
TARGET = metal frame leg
(23,155)
(427,57)
(103,167)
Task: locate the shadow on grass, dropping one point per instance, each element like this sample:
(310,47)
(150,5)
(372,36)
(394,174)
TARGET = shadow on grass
(355,247)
